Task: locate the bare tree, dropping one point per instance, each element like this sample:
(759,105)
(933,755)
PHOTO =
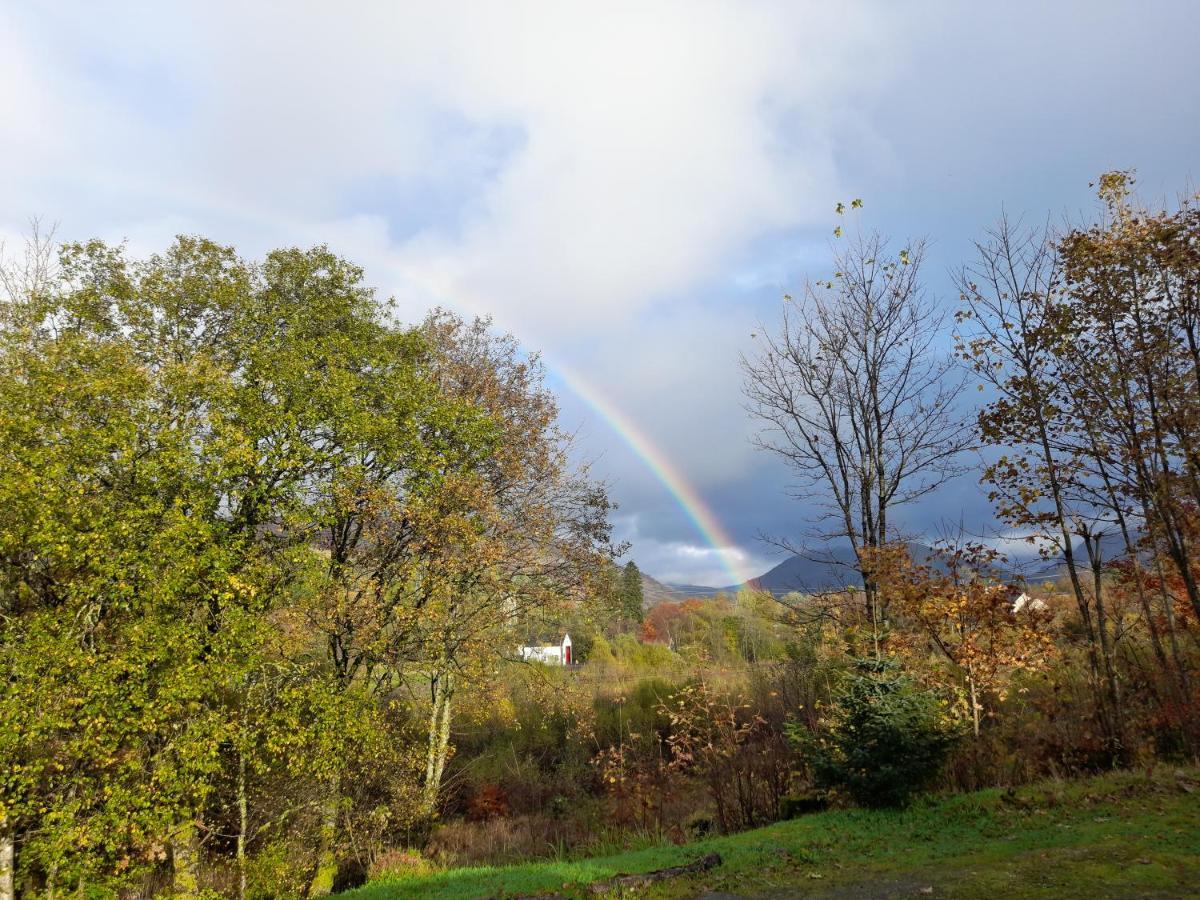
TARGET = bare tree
(857,399)
(26,276)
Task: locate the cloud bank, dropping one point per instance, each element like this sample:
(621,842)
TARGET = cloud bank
(626,186)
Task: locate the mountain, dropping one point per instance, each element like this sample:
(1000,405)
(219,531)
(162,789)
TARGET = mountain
(1112,549)
(814,572)
(826,570)
(818,571)
(655,592)
(834,568)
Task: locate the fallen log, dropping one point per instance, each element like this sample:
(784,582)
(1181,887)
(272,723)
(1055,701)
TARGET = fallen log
(703,864)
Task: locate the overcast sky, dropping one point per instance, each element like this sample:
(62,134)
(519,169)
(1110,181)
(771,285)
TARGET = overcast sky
(627,187)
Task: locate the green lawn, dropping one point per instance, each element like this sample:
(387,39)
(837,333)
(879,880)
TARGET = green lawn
(1122,835)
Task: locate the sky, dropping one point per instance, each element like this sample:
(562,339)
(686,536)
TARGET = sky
(629,188)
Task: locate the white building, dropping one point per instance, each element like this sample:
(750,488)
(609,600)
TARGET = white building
(1024,601)
(551,654)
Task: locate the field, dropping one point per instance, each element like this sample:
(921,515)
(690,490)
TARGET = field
(1129,834)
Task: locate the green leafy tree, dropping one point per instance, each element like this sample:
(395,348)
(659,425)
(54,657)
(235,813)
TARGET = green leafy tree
(181,437)
(631,592)
(519,535)
(240,508)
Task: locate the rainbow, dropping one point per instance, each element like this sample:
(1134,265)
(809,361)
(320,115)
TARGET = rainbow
(684,494)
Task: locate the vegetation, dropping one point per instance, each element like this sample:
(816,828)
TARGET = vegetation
(1117,835)
(857,399)
(631,591)
(883,739)
(267,556)
(243,518)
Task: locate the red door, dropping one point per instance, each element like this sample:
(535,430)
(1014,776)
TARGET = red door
(567,654)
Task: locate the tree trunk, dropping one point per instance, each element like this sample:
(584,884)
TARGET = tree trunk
(322,882)
(243,816)
(185,861)
(974,693)
(7,861)
(439,739)
(1063,523)
(1111,680)
(1187,708)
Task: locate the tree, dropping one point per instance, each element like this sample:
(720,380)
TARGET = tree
(127,594)
(1009,295)
(631,592)
(882,738)
(1087,339)
(516,537)
(965,613)
(666,622)
(1126,340)
(857,400)
(188,440)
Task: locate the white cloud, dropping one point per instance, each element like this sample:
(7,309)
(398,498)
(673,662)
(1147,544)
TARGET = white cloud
(595,164)
(1017,547)
(646,143)
(657,141)
(596,175)
(680,562)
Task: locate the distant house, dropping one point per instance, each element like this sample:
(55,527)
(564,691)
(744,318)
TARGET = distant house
(550,654)
(1024,601)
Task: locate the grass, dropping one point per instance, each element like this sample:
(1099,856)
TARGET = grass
(1127,834)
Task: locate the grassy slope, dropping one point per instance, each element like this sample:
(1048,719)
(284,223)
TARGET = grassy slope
(1126,834)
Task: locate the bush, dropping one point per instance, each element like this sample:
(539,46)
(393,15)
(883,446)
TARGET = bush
(637,711)
(793,806)
(633,654)
(883,739)
(399,864)
(489,802)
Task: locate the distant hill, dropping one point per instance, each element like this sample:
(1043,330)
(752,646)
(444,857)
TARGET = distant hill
(1112,549)
(655,592)
(834,568)
(819,571)
(826,570)
(814,572)
(697,590)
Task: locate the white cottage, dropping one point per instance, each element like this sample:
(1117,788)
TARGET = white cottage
(551,654)
(1024,601)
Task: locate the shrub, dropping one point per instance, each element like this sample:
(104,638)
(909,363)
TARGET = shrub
(792,806)
(399,864)
(637,711)
(883,739)
(489,802)
(278,870)
(698,825)
(640,657)
(743,761)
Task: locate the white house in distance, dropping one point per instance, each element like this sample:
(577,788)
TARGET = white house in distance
(1024,601)
(551,654)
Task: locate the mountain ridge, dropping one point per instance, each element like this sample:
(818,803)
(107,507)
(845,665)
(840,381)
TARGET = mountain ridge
(835,569)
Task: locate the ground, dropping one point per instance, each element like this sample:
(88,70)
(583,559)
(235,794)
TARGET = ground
(1128,834)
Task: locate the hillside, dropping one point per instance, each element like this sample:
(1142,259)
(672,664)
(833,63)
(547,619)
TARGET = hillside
(655,592)
(832,569)
(819,571)
(1121,835)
